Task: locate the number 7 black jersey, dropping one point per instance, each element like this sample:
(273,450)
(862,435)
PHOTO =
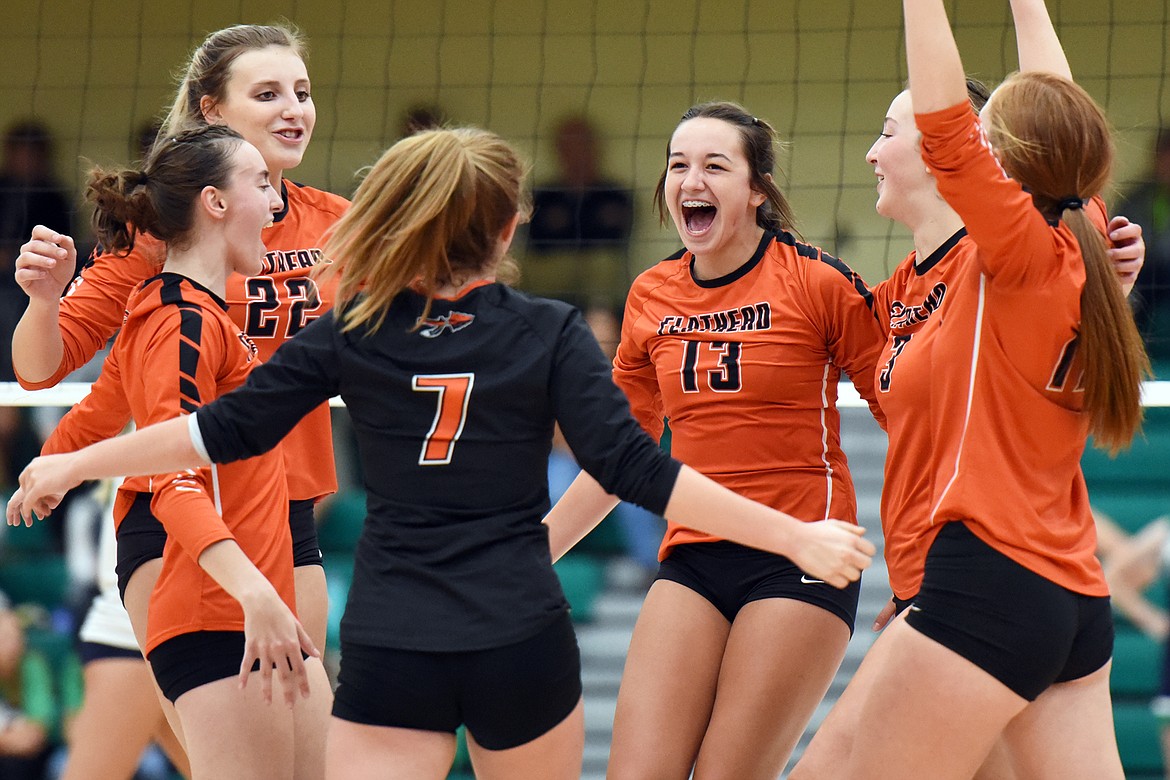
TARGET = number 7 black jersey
(454,422)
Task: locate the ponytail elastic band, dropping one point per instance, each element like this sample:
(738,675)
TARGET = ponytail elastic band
(1073,203)
(142,179)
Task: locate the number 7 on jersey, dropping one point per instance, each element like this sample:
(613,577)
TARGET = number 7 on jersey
(454,391)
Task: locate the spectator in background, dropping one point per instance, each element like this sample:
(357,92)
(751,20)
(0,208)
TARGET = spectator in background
(28,711)
(18,441)
(1149,206)
(143,139)
(583,218)
(419,117)
(30,194)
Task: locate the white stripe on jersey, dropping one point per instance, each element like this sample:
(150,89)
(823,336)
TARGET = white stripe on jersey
(970,391)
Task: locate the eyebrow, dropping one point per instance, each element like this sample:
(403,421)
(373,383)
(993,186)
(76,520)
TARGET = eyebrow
(277,83)
(708,157)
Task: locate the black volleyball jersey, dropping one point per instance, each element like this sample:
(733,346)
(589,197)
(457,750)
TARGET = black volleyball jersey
(454,423)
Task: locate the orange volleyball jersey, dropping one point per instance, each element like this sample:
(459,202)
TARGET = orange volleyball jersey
(269,308)
(746,368)
(983,357)
(177,351)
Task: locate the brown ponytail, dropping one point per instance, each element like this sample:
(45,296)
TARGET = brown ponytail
(1055,140)
(159,199)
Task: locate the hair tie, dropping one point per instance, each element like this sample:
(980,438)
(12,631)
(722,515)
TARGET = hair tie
(1072,203)
(141,179)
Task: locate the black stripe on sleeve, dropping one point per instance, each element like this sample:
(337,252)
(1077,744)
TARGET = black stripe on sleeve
(190,339)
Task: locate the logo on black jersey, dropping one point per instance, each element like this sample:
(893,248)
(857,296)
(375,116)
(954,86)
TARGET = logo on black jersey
(903,316)
(433,327)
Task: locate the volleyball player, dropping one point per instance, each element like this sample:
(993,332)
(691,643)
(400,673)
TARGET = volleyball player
(908,193)
(252,78)
(454,382)
(225,595)
(1030,347)
(740,341)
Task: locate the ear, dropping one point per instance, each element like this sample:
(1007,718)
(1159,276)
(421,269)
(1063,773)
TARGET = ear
(758,198)
(210,110)
(213,203)
(508,233)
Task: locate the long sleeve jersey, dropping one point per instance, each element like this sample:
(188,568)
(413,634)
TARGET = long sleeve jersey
(745,367)
(177,350)
(269,308)
(979,377)
(454,423)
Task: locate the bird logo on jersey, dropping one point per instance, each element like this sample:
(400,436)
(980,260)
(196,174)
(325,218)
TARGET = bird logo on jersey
(433,327)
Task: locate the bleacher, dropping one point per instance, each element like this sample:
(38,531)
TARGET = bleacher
(1133,489)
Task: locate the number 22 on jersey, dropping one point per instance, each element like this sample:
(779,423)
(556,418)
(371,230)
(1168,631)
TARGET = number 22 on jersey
(454,392)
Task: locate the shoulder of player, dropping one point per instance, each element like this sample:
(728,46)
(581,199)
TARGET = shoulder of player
(811,262)
(312,198)
(141,262)
(169,295)
(544,317)
(670,267)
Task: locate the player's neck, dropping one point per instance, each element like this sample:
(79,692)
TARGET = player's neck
(729,256)
(203,263)
(933,232)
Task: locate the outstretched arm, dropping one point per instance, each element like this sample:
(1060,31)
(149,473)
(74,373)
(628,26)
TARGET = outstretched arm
(937,80)
(1036,40)
(156,449)
(44,267)
(579,510)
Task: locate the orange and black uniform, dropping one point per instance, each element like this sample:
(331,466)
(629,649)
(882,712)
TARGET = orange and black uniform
(269,308)
(745,368)
(177,350)
(979,385)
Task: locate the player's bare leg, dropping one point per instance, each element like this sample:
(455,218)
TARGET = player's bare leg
(668,686)
(929,712)
(1067,732)
(360,752)
(119,717)
(780,659)
(137,603)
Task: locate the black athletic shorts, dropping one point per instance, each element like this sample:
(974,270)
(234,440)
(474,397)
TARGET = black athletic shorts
(1021,628)
(303,525)
(730,575)
(506,696)
(900,605)
(96,651)
(141,537)
(187,661)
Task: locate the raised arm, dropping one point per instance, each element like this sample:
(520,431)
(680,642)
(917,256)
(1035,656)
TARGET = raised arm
(937,80)
(43,268)
(58,334)
(1036,40)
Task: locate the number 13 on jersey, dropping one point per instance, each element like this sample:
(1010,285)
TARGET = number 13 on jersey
(454,391)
